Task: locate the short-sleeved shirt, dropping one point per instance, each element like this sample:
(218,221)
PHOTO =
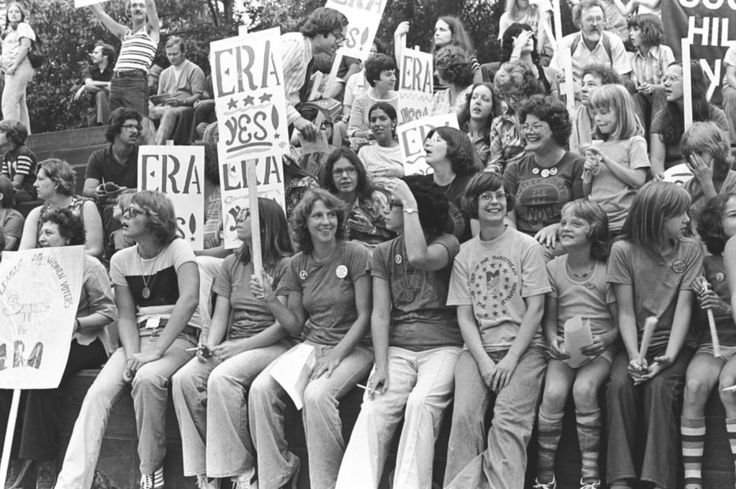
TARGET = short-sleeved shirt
(328,290)
(378,159)
(102,166)
(532,18)
(583,127)
(656,282)
(249,315)
(455,191)
(11,43)
(697,197)
(715,273)
(21,161)
(158,275)
(618,59)
(420,318)
(441,103)
(539,199)
(650,68)
(183,82)
(588,298)
(93,72)
(95,298)
(494,277)
(613,194)
(673,155)
(507,142)
(729,59)
(12,223)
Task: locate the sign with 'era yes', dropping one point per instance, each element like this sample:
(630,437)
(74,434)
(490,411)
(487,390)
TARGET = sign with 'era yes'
(39,296)
(416,85)
(411,141)
(234,188)
(364,17)
(178,172)
(250,101)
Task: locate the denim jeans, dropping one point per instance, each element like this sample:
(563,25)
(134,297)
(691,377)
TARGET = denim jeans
(503,464)
(131,92)
(322,425)
(167,116)
(150,396)
(14,103)
(210,399)
(661,398)
(422,382)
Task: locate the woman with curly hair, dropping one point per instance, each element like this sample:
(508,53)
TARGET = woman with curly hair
(476,119)
(547,176)
(669,123)
(455,72)
(514,84)
(156,285)
(519,42)
(330,304)
(344,176)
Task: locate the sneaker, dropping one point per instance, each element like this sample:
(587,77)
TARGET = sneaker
(204,483)
(590,485)
(247,480)
(545,485)
(16,472)
(153,481)
(46,474)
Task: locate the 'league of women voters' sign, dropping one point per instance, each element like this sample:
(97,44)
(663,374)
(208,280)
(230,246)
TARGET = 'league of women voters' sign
(251,115)
(411,141)
(39,296)
(178,172)
(416,85)
(364,17)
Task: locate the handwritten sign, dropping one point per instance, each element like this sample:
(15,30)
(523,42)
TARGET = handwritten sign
(234,188)
(39,296)
(364,17)
(416,85)
(86,3)
(411,141)
(178,172)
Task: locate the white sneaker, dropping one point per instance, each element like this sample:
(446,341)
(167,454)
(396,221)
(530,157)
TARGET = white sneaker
(204,483)
(245,481)
(153,481)
(545,485)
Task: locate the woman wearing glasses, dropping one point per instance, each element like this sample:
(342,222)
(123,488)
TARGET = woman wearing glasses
(156,285)
(55,184)
(210,392)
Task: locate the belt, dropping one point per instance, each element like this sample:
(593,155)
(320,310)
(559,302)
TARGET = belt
(143,331)
(129,73)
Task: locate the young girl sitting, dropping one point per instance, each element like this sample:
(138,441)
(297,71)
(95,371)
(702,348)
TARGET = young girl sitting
(19,162)
(579,289)
(716,225)
(652,268)
(616,167)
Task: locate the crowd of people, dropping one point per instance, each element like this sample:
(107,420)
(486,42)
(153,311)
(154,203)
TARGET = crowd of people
(548,253)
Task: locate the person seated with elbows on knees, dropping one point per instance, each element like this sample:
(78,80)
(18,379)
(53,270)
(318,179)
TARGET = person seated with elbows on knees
(180,85)
(97,78)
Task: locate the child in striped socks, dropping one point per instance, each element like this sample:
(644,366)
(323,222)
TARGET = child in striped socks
(716,225)
(579,288)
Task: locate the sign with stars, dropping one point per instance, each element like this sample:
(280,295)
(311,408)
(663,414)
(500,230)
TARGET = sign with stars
(178,172)
(364,18)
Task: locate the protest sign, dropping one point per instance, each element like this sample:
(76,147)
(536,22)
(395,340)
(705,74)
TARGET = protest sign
(39,296)
(86,3)
(416,85)
(364,17)
(411,141)
(178,172)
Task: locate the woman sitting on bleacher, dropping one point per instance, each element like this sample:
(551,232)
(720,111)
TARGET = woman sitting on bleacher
(39,439)
(55,184)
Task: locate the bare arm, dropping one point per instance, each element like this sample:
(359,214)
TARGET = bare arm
(127,326)
(627,319)
(380,323)
(117,30)
(29,238)
(93,225)
(657,154)
(90,188)
(154,24)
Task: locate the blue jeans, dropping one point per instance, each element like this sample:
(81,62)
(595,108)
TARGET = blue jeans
(503,463)
(131,92)
(322,425)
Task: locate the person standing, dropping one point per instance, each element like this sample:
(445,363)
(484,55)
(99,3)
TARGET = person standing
(17,37)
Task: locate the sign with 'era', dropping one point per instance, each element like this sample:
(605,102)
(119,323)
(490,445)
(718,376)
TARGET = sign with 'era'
(416,85)
(411,141)
(364,17)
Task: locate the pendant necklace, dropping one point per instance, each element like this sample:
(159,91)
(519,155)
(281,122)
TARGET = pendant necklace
(146,291)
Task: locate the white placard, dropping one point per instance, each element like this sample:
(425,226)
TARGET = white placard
(178,172)
(411,141)
(577,336)
(234,188)
(292,371)
(416,85)
(86,3)
(364,17)
(39,296)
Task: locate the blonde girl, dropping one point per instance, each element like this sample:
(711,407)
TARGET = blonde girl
(616,166)
(579,289)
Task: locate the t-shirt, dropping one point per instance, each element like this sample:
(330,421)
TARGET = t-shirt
(715,273)
(328,290)
(95,297)
(673,155)
(420,318)
(455,191)
(614,195)
(507,142)
(583,127)
(441,103)
(494,277)
(21,161)
(12,223)
(651,68)
(656,282)
(588,298)
(539,199)
(249,315)
(11,43)
(183,81)
(102,166)
(380,159)
(156,277)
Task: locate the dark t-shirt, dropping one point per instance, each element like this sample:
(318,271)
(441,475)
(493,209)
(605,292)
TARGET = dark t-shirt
(673,155)
(93,72)
(455,192)
(102,165)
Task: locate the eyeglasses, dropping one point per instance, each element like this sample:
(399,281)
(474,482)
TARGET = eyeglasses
(338,172)
(498,196)
(512,97)
(132,212)
(536,127)
(131,127)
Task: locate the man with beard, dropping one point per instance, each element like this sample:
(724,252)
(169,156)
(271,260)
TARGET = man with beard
(97,77)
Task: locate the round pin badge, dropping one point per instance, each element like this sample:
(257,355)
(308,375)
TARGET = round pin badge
(303,274)
(545,173)
(535,171)
(398,259)
(720,277)
(341,271)
(553,171)
(679,266)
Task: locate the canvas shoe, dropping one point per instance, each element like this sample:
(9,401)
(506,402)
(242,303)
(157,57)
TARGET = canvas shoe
(153,481)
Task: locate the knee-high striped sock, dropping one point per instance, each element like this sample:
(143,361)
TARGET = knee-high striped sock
(589,437)
(693,440)
(550,430)
(731,430)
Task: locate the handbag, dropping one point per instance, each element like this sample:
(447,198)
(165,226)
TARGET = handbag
(35,56)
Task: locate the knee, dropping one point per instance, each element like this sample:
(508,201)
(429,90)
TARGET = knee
(317,395)
(696,390)
(554,398)
(219,380)
(148,379)
(585,393)
(465,414)
(262,389)
(420,404)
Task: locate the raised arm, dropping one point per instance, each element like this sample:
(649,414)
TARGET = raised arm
(116,29)
(154,24)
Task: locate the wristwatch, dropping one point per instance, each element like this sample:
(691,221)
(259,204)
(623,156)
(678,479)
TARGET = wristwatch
(409,210)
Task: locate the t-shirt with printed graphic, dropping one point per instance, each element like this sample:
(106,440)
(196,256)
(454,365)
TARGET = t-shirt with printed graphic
(328,290)
(494,277)
(588,298)
(420,318)
(542,192)
(154,277)
(715,273)
(656,282)
(249,315)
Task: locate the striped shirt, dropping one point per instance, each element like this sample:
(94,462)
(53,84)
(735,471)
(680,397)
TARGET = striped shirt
(296,53)
(651,68)
(137,51)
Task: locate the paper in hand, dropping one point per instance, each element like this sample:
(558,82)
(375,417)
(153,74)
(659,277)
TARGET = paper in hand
(577,336)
